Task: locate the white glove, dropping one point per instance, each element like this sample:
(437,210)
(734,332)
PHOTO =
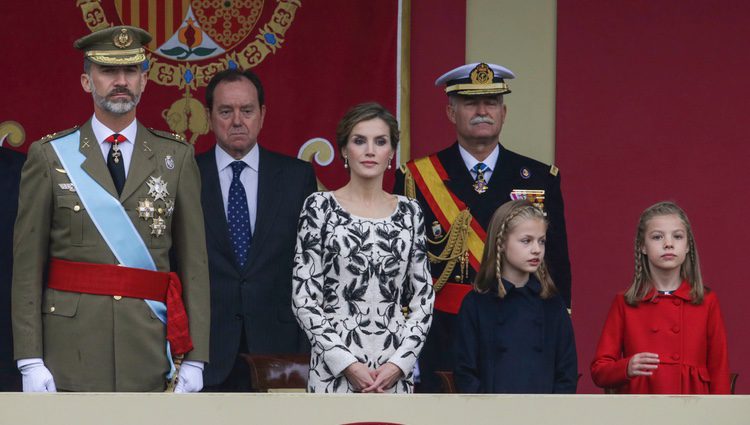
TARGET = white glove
(190,379)
(36,377)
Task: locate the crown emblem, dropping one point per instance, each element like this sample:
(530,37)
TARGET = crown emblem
(123,39)
(482,74)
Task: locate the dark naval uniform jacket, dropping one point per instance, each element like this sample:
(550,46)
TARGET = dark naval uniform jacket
(256,298)
(512,171)
(97,342)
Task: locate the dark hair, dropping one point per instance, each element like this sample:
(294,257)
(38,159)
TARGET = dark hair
(231,75)
(366,112)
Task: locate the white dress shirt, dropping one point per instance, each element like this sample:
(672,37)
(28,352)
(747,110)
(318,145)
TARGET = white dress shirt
(101,132)
(248,177)
(490,162)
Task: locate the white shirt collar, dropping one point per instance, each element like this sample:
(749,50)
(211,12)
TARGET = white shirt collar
(470,161)
(223,159)
(101,131)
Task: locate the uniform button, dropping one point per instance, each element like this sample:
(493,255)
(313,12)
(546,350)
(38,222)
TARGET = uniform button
(243,282)
(237,316)
(52,309)
(457,277)
(77,208)
(675,356)
(654,330)
(117,297)
(676,329)
(676,301)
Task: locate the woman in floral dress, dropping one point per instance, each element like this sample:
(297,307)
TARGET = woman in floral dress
(362,289)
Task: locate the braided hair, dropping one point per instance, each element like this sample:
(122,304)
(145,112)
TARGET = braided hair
(690,269)
(505,219)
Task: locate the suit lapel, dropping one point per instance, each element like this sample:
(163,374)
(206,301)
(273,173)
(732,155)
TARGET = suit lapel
(94,164)
(213,204)
(269,196)
(141,165)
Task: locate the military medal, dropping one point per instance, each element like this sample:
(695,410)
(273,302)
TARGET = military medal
(480,184)
(169,162)
(116,154)
(145,209)
(535,196)
(437,230)
(169,203)
(157,188)
(67,186)
(158,226)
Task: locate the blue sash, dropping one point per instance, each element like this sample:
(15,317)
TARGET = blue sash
(109,217)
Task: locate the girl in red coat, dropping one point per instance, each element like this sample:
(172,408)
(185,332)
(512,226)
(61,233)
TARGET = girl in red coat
(665,334)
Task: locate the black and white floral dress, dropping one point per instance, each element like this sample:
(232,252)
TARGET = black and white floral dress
(352,276)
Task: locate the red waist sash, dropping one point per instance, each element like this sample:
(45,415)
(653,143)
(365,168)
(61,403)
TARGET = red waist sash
(108,279)
(449,298)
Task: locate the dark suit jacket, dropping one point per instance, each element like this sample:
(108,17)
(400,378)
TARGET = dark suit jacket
(10,175)
(257,296)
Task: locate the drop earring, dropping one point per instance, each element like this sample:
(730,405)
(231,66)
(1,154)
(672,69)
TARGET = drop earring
(346,162)
(389,163)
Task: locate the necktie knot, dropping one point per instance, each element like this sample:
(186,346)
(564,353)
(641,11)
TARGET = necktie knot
(237,167)
(480,168)
(115,138)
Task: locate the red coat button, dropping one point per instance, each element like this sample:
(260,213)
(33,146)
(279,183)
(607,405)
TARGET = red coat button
(677,301)
(654,330)
(676,329)
(675,356)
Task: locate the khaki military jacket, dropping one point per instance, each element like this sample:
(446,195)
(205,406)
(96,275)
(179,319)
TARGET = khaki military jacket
(95,342)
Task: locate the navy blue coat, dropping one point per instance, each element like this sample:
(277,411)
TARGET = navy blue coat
(519,344)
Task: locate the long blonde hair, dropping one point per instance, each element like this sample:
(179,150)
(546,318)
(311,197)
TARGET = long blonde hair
(690,269)
(507,217)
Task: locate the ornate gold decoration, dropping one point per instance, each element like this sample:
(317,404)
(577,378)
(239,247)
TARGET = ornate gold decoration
(318,150)
(12,132)
(268,39)
(123,39)
(482,74)
(93,14)
(187,114)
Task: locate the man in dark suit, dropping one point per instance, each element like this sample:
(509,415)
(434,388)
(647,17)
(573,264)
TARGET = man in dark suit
(251,202)
(470,180)
(10,175)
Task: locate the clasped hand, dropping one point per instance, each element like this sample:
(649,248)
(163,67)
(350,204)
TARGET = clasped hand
(365,380)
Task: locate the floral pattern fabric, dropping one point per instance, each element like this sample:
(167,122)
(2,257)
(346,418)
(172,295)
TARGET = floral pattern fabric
(362,290)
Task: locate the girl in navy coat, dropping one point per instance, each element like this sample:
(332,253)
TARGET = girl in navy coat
(514,333)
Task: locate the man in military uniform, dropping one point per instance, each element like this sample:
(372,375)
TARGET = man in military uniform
(109,251)
(459,189)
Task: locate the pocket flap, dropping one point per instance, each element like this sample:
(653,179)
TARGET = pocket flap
(60,303)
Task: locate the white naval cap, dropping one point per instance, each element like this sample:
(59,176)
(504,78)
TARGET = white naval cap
(476,79)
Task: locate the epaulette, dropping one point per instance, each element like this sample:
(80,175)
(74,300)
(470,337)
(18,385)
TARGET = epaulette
(553,170)
(167,135)
(57,135)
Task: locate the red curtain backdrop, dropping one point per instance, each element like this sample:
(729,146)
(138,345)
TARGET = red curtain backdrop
(332,55)
(651,105)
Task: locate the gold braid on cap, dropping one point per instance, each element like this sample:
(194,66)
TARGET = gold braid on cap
(456,248)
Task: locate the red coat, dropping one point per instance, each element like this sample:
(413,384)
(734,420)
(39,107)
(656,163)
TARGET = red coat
(689,339)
